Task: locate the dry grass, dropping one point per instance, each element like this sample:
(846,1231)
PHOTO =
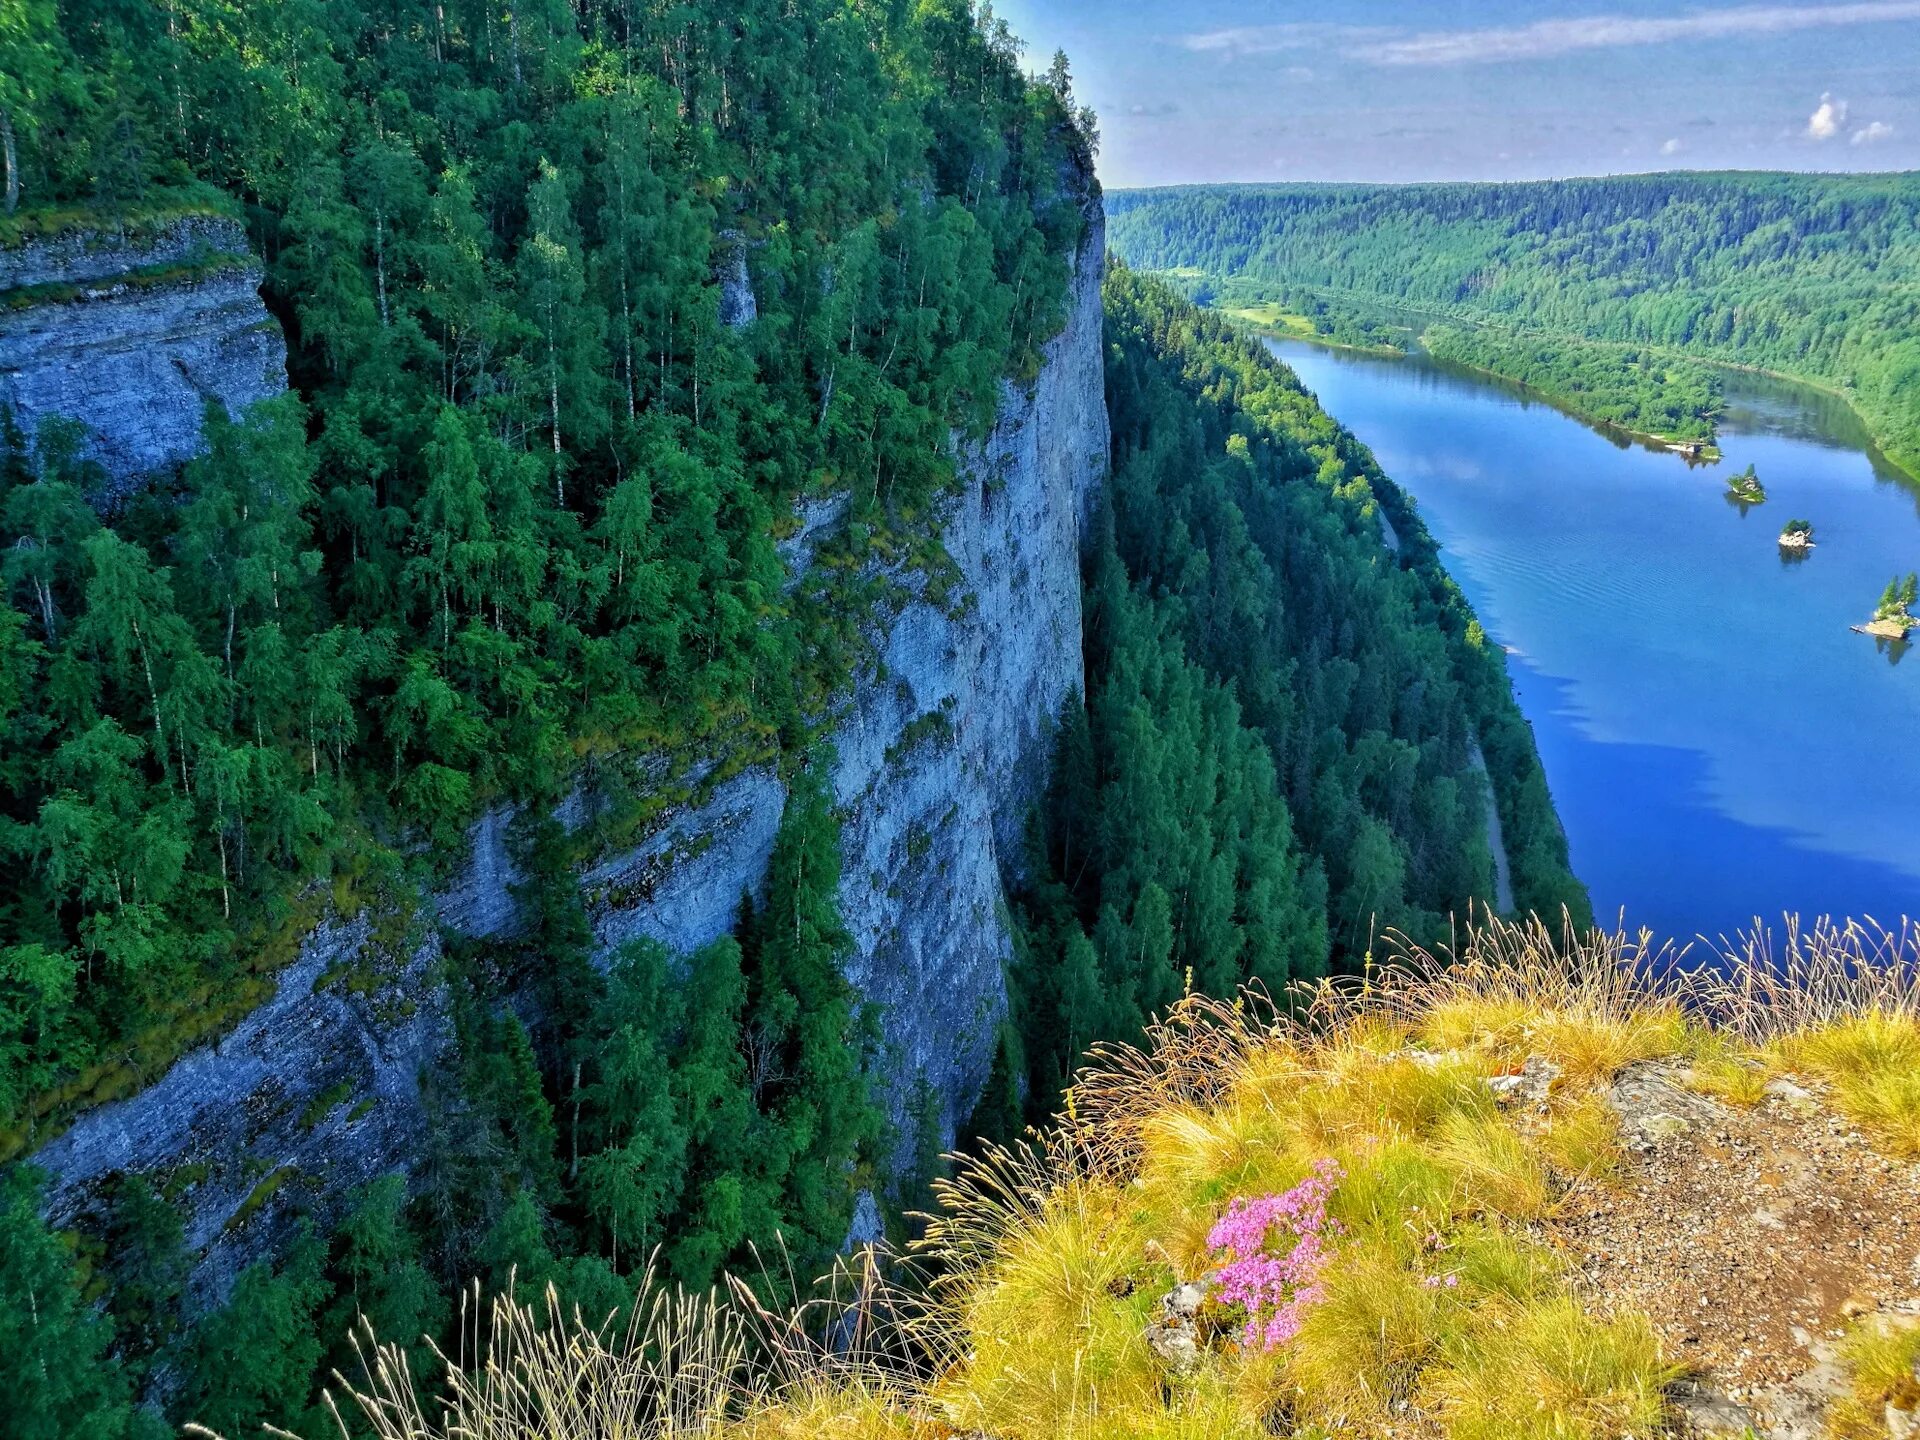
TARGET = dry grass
(1872,1063)
(1439,1315)
(1551,1371)
(1882,1361)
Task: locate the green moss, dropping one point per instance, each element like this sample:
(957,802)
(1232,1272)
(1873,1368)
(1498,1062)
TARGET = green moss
(324,1104)
(261,1193)
(146,277)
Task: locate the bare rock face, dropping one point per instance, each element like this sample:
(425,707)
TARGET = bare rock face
(738,306)
(133,337)
(944,748)
(315,1092)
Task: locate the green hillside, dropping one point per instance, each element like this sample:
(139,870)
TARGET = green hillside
(1812,276)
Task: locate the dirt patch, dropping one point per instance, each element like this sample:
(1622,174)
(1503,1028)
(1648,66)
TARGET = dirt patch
(1748,1235)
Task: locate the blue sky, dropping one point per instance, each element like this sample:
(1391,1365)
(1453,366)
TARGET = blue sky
(1203,90)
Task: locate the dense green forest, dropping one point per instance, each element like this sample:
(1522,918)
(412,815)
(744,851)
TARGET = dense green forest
(520,508)
(1646,391)
(516,517)
(1272,767)
(1813,276)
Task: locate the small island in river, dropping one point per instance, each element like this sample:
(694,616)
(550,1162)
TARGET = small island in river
(1798,535)
(1746,488)
(1893,617)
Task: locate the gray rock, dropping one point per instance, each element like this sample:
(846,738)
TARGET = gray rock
(80,256)
(866,1228)
(1794,1098)
(1528,1088)
(315,1092)
(943,748)
(738,307)
(1705,1410)
(1175,1336)
(1655,1106)
(136,365)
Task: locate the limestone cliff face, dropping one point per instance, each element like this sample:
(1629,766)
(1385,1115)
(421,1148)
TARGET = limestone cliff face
(944,750)
(131,338)
(941,748)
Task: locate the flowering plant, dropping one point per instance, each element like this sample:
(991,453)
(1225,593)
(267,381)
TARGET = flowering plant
(1272,1250)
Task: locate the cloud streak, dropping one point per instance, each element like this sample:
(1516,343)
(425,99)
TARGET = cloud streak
(1543,39)
(1872,133)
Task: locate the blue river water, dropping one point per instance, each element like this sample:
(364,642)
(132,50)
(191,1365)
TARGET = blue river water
(1721,747)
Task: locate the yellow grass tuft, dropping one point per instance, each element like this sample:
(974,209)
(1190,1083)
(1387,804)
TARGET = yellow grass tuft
(1550,1371)
(1581,1141)
(1882,1362)
(1872,1061)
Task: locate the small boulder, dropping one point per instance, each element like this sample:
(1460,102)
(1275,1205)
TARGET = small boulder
(1655,1107)
(1529,1086)
(1706,1410)
(1175,1336)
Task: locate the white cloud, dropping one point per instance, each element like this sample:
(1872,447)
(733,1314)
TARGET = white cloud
(1827,118)
(1268,39)
(1872,133)
(1543,39)
(1672,147)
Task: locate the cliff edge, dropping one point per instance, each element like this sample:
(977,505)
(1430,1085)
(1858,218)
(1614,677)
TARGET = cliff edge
(131,336)
(941,746)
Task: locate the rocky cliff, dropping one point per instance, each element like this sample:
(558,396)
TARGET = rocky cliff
(132,336)
(941,748)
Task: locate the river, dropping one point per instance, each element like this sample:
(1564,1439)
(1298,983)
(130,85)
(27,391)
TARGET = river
(1721,747)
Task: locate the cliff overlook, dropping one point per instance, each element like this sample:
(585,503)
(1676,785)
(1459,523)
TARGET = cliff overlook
(741,650)
(1535,1188)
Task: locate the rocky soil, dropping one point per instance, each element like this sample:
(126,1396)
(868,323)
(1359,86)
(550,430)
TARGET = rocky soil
(1753,1237)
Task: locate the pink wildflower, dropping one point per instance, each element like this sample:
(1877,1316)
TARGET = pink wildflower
(1275,1285)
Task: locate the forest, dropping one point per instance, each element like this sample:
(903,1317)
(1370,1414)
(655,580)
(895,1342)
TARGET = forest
(515,519)
(1270,769)
(519,509)
(1812,276)
(1645,391)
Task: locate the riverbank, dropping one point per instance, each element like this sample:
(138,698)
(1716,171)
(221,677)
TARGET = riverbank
(1298,327)
(1646,724)
(1878,434)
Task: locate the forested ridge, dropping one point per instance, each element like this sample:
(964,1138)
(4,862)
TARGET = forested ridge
(1273,767)
(1813,276)
(515,522)
(520,508)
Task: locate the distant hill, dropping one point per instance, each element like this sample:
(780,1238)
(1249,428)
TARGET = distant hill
(1812,276)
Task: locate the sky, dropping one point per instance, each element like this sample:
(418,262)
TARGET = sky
(1394,90)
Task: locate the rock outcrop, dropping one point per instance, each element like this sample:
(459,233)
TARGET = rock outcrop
(131,337)
(941,750)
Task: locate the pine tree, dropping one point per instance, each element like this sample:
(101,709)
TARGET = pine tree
(804,1021)
(53,1346)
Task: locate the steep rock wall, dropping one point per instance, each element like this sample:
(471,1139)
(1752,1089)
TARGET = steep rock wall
(941,749)
(131,338)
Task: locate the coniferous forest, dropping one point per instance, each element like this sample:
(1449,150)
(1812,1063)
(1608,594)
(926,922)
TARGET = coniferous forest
(1813,276)
(516,519)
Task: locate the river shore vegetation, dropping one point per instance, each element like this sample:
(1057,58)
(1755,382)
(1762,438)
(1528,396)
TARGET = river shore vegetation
(1809,276)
